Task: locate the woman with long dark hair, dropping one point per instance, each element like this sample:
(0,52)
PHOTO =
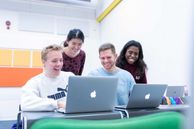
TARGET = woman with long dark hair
(131,59)
(73,56)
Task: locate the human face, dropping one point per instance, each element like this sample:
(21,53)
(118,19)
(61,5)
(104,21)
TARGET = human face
(132,54)
(108,59)
(53,64)
(74,46)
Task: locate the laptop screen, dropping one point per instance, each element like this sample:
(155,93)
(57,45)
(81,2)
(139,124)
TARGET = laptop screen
(175,91)
(145,96)
(91,94)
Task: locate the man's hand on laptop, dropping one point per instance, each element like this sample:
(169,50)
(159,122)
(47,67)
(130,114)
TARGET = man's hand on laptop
(61,104)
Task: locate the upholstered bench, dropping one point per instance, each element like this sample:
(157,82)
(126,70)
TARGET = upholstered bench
(163,120)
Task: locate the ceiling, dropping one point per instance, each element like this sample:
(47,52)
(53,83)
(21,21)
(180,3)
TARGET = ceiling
(69,8)
(83,3)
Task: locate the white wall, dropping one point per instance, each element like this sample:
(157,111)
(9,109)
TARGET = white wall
(42,24)
(162,27)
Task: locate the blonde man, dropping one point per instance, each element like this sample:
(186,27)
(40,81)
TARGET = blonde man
(47,91)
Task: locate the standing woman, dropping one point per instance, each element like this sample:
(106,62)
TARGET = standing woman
(131,59)
(73,56)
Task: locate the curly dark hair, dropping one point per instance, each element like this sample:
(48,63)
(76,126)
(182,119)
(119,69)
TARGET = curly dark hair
(121,60)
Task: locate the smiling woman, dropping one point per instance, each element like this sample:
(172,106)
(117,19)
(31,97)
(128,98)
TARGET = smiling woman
(73,56)
(131,59)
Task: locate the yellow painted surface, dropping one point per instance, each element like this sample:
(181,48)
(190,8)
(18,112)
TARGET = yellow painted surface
(21,58)
(36,59)
(108,10)
(5,57)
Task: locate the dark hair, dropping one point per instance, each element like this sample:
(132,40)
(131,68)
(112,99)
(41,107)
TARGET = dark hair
(107,46)
(74,33)
(121,60)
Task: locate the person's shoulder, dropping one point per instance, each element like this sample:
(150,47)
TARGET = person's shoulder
(64,73)
(123,71)
(92,72)
(82,52)
(33,81)
(37,77)
(127,75)
(95,72)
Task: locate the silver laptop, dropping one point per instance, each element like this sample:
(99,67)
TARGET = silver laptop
(91,94)
(175,91)
(145,96)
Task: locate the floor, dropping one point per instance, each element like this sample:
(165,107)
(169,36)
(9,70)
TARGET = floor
(7,124)
(8,113)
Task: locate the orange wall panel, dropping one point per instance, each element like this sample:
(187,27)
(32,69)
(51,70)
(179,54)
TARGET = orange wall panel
(16,77)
